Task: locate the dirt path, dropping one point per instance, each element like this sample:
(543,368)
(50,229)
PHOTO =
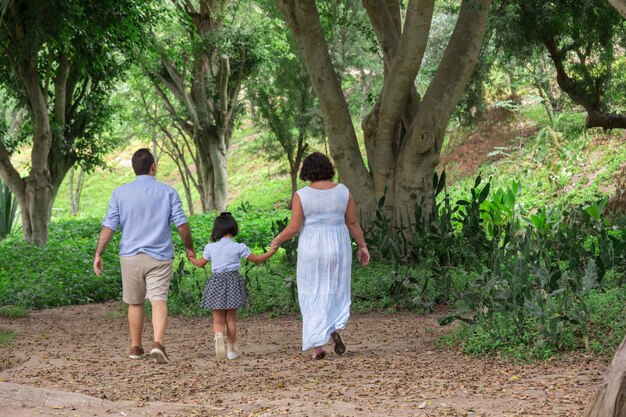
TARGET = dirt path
(72,361)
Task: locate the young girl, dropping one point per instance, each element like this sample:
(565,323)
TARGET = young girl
(226,290)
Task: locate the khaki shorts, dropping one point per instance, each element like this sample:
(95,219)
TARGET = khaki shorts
(145,278)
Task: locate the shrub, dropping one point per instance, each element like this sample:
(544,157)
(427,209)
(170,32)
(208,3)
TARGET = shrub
(62,272)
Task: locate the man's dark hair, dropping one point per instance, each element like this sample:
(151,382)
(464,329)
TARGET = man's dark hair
(317,167)
(142,161)
(225,224)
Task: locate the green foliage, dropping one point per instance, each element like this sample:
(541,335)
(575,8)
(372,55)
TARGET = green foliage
(291,246)
(96,41)
(61,273)
(13,312)
(518,278)
(582,36)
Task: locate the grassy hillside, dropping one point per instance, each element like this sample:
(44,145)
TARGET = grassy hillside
(564,164)
(252,179)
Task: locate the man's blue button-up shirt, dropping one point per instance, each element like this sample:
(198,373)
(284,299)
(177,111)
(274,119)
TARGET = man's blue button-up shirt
(144,210)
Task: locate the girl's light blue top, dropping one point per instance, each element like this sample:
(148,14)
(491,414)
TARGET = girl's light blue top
(225,254)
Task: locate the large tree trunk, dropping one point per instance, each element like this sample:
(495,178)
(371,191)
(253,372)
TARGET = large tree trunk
(610,399)
(220,179)
(420,150)
(403,133)
(36,194)
(303,19)
(205,170)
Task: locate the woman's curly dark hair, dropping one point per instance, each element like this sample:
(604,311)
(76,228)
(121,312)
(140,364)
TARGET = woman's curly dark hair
(317,167)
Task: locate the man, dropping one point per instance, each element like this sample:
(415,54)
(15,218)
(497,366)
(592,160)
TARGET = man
(144,210)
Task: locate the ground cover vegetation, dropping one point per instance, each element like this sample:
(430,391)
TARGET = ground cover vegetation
(525,251)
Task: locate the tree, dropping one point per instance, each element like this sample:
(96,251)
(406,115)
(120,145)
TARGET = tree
(285,102)
(580,37)
(199,80)
(403,131)
(176,144)
(61,60)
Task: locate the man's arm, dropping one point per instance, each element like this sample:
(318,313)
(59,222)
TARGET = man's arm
(185,234)
(105,237)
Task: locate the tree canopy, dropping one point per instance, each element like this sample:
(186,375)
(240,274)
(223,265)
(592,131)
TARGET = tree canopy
(61,61)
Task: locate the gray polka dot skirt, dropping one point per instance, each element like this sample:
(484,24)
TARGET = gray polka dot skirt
(224,291)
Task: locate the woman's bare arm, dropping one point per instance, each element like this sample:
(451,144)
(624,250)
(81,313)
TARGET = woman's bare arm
(356,232)
(295,223)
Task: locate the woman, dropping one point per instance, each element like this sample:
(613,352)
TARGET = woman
(323,213)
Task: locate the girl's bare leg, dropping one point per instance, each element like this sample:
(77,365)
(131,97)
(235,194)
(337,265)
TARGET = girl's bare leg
(231,324)
(219,324)
(219,321)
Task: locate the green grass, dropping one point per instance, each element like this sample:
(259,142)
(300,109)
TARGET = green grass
(607,323)
(581,171)
(13,312)
(62,272)
(6,337)
(120,312)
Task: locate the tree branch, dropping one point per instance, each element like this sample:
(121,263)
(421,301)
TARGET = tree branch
(10,176)
(60,89)
(455,69)
(303,19)
(224,77)
(620,6)
(384,27)
(404,69)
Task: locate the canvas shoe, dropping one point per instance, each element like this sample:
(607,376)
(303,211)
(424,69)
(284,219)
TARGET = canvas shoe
(220,348)
(136,352)
(158,353)
(232,353)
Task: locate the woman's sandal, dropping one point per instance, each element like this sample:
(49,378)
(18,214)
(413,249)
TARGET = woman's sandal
(340,347)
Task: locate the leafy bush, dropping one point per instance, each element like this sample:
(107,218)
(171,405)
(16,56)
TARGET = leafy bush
(515,276)
(61,273)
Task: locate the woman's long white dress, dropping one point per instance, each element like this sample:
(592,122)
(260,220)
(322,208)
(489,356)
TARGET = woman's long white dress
(324,264)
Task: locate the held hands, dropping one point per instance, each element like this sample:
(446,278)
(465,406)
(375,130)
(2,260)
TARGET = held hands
(363,255)
(191,253)
(274,245)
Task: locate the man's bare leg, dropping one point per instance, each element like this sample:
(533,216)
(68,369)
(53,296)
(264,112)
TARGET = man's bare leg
(135,323)
(159,319)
